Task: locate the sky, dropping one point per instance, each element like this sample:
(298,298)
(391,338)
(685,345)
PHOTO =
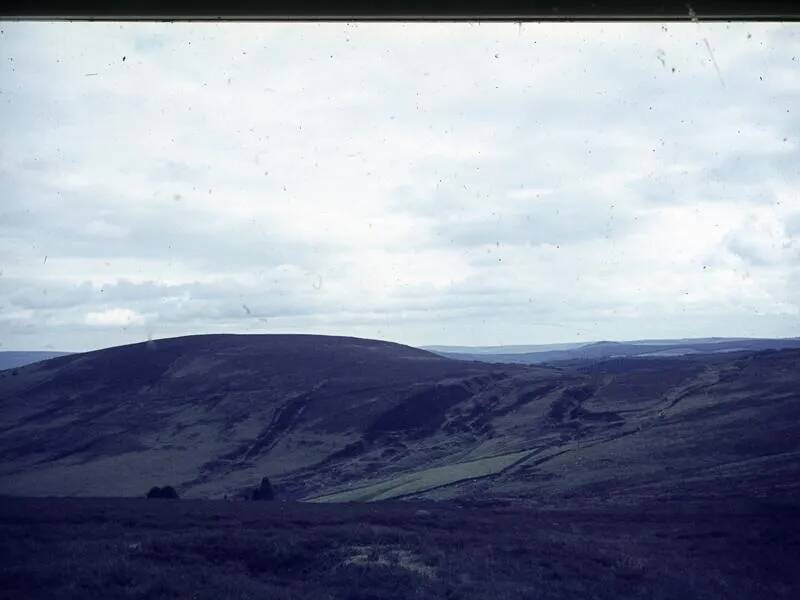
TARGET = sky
(428,183)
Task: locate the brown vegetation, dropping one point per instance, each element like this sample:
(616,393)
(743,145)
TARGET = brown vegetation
(129,548)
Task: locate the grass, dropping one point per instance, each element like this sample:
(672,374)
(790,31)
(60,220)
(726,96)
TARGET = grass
(427,479)
(153,549)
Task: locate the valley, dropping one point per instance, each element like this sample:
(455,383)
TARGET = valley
(332,419)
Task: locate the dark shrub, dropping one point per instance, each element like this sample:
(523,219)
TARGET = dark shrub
(169,492)
(264,491)
(163,492)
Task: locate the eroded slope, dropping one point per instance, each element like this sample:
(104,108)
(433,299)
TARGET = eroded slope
(333,419)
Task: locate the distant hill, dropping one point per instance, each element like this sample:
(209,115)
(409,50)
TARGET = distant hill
(600,350)
(518,349)
(9,360)
(348,419)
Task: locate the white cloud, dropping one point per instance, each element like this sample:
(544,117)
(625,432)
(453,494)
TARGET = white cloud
(428,183)
(529,193)
(105,229)
(113,317)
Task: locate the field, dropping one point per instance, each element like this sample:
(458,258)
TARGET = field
(209,549)
(428,479)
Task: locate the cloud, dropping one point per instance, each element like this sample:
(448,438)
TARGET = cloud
(427,183)
(529,193)
(764,241)
(114,317)
(104,229)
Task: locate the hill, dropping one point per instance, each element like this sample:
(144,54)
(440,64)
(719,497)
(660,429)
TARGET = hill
(346,419)
(556,353)
(516,349)
(12,359)
(215,413)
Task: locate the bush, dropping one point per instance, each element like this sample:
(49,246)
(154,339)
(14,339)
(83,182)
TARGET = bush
(163,492)
(264,491)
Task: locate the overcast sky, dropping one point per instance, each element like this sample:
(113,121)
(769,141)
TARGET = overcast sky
(422,183)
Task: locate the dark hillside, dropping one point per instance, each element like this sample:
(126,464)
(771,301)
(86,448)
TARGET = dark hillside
(334,419)
(212,412)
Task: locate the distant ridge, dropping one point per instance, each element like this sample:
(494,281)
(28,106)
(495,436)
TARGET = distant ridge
(549,353)
(14,359)
(513,349)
